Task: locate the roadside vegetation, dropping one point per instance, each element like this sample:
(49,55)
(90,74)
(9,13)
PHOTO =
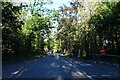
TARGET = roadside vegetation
(27,28)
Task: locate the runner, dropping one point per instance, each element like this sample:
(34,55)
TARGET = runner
(78,52)
(84,55)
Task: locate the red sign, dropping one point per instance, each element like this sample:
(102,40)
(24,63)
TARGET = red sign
(102,52)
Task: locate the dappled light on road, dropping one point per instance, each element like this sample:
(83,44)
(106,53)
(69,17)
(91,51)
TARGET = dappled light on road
(64,67)
(71,39)
(78,75)
(85,64)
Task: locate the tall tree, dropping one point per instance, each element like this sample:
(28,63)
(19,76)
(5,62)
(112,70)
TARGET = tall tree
(10,28)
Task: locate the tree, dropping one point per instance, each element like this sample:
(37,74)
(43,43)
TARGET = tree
(106,26)
(91,26)
(10,29)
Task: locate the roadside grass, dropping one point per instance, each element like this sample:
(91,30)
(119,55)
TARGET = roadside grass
(21,58)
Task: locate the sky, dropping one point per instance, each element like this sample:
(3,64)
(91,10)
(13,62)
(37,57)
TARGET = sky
(56,3)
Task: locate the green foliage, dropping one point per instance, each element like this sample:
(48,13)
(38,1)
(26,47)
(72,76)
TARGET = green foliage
(23,34)
(10,28)
(94,29)
(27,28)
(107,26)
(36,29)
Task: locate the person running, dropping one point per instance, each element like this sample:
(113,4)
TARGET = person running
(78,52)
(64,52)
(84,55)
(71,52)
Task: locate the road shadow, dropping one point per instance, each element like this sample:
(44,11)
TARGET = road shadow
(59,68)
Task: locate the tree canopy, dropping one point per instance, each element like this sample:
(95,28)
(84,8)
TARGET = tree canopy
(90,26)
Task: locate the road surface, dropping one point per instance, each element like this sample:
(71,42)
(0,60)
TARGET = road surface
(59,67)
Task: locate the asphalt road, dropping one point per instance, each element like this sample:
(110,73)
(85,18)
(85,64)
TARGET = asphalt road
(59,67)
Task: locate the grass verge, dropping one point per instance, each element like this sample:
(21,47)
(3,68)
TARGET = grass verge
(21,58)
